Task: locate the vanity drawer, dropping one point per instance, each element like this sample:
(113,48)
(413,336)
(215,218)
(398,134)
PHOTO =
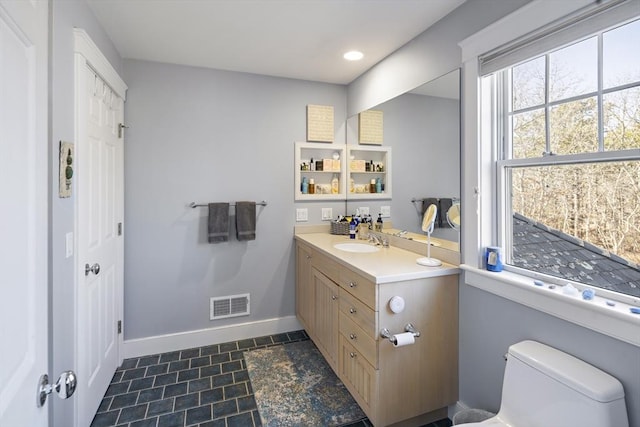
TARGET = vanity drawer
(359,313)
(363,289)
(362,341)
(329,268)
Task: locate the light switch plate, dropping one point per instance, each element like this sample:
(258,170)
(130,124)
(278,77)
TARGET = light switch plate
(302,214)
(327,214)
(385,211)
(364,210)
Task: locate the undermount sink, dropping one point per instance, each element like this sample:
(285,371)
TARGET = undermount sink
(360,248)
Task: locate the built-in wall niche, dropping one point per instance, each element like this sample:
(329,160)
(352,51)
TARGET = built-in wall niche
(342,172)
(369,172)
(422,127)
(320,171)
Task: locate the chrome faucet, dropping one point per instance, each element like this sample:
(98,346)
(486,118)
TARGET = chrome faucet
(378,240)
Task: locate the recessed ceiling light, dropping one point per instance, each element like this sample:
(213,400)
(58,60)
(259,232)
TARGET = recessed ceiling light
(353,55)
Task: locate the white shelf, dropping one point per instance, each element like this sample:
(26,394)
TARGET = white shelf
(381,156)
(304,152)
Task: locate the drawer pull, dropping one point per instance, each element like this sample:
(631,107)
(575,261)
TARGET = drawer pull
(352,310)
(334,297)
(352,355)
(352,284)
(352,336)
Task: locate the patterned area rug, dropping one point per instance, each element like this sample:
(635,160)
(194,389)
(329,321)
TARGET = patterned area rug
(294,386)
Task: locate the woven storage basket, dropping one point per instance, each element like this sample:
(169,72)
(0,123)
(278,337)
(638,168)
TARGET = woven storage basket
(339,227)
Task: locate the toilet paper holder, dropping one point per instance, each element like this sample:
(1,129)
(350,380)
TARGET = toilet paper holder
(385,333)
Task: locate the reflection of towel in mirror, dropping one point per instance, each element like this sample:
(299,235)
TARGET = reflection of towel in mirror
(445,204)
(246,220)
(218,223)
(426,202)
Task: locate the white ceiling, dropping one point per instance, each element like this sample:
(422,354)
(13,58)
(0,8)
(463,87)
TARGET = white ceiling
(301,39)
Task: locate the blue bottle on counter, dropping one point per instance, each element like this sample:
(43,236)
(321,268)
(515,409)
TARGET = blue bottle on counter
(352,227)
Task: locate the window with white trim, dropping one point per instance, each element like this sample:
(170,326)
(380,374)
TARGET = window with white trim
(567,131)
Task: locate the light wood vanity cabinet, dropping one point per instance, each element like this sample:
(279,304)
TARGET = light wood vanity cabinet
(304,290)
(326,315)
(411,385)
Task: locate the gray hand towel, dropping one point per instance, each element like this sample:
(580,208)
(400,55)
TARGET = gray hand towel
(445,204)
(218,224)
(246,220)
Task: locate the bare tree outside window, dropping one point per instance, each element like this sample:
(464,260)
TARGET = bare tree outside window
(559,106)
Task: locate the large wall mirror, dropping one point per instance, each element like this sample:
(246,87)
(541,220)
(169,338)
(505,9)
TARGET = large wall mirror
(423,129)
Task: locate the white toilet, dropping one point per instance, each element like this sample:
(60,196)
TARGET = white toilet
(545,387)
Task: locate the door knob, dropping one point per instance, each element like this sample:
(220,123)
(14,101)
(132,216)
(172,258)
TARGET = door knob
(64,387)
(95,269)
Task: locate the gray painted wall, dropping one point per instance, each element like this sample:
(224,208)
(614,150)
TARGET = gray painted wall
(432,54)
(490,324)
(65,15)
(206,135)
(424,133)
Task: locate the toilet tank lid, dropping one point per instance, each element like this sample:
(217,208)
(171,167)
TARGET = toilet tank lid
(571,371)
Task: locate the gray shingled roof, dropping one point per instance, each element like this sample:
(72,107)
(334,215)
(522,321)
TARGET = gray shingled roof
(540,248)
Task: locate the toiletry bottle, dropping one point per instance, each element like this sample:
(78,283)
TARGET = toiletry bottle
(372,186)
(305,186)
(312,165)
(312,186)
(335,185)
(352,185)
(378,185)
(379,222)
(352,228)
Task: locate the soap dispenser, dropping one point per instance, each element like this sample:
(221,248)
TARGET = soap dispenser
(379,222)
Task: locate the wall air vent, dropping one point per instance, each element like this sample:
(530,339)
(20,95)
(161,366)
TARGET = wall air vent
(229,306)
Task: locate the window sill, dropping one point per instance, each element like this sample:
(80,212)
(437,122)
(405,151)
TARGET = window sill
(617,322)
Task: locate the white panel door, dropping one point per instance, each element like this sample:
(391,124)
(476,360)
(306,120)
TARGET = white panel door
(100,209)
(23,211)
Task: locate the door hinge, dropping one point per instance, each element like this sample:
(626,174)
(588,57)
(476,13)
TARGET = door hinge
(119,326)
(119,229)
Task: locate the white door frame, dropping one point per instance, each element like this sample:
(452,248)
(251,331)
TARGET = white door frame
(87,54)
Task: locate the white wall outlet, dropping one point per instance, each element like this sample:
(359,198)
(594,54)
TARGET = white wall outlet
(302,214)
(364,210)
(327,214)
(385,211)
(68,244)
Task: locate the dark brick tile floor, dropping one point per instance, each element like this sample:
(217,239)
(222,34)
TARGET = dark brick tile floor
(200,387)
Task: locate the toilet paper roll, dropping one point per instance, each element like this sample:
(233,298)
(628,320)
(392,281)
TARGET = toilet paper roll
(406,338)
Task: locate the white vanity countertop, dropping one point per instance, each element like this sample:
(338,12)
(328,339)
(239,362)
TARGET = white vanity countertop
(384,266)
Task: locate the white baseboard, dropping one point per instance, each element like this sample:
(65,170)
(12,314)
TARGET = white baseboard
(202,337)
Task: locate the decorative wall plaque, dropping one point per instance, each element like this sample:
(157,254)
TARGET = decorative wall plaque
(320,123)
(370,129)
(66,169)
